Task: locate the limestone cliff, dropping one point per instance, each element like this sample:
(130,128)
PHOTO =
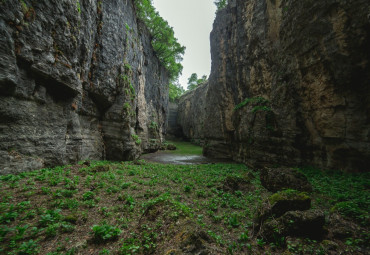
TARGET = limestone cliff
(290,84)
(79,79)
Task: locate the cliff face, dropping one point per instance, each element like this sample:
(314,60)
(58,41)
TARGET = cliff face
(191,113)
(78,80)
(302,70)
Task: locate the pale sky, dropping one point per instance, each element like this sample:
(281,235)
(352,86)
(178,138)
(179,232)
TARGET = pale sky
(192,22)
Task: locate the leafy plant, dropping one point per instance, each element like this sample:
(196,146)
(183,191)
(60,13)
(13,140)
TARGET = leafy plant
(136,139)
(29,248)
(105,232)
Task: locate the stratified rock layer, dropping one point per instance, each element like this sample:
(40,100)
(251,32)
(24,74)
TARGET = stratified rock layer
(79,79)
(304,68)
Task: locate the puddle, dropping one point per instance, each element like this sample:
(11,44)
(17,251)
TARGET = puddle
(170,158)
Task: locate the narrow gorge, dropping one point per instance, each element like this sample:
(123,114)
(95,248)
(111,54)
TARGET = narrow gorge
(79,80)
(290,85)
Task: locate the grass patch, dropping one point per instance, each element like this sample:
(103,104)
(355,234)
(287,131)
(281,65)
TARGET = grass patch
(186,148)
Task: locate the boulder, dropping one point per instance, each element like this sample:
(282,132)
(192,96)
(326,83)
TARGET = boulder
(295,223)
(276,179)
(280,203)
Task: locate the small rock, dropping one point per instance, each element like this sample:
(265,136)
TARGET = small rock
(295,223)
(171,147)
(276,179)
(97,169)
(235,183)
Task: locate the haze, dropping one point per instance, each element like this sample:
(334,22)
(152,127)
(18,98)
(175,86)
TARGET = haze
(192,22)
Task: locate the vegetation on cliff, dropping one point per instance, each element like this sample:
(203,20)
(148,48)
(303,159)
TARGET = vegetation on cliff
(165,44)
(220,4)
(194,81)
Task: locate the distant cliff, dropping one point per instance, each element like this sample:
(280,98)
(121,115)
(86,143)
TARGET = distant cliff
(290,84)
(78,80)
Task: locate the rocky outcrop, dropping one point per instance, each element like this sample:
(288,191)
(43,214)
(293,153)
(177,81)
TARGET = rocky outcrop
(289,85)
(277,179)
(78,80)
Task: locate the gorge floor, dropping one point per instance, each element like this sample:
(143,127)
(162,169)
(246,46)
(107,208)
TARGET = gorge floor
(103,207)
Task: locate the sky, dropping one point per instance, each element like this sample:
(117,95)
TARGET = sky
(192,22)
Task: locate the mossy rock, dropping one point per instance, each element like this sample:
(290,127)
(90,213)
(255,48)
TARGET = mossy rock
(281,202)
(171,147)
(294,223)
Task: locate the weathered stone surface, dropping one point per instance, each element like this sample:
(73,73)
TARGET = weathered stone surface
(191,113)
(174,130)
(309,60)
(281,202)
(76,82)
(276,179)
(295,223)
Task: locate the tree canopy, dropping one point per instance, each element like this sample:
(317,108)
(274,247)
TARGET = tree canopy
(169,51)
(176,90)
(194,82)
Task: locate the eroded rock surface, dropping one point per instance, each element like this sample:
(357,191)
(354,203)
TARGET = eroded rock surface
(302,70)
(78,80)
(277,179)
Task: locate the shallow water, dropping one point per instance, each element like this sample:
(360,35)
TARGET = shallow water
(176,159)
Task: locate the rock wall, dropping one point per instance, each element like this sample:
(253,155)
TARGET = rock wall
(173,128)
(191,113)
(290,84)
(78,80)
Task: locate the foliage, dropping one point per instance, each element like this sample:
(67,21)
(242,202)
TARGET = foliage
(136,138)
(164,42)
(254,100)
(151,203)
(105,232)
(347,193)
(220,4)
(175,91)
(194,82)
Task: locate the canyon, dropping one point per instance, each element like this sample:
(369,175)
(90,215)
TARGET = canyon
(289,85)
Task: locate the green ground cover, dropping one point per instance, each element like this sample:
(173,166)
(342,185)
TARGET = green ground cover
(148,208)
(186,148)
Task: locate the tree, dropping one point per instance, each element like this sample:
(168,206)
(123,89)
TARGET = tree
(194,82)
(176,90)
(165,44)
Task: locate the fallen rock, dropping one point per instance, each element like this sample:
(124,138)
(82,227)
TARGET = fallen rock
(281,202)
(171,147)
(235,183)
(98,169)
(276,179)
(295,223)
